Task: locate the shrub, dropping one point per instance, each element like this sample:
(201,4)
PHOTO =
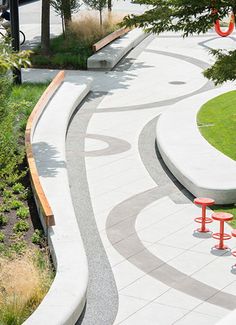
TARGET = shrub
(21,226)
(40,60)
(4,207)
(18,188)
(18,247)
(7,193)
(37,237)
(88,30)
(2,236)
(2,248)
(73,51)
(3,220)
(15,204)
(23,213)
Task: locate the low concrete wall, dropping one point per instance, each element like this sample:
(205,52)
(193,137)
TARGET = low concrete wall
(110,55)
(202,169)
(66,298)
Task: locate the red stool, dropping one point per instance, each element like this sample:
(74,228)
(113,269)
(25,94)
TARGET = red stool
(234,235)
(221,236)
(204,202)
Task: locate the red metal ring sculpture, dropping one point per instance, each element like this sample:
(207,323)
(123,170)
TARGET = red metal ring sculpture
(230,28)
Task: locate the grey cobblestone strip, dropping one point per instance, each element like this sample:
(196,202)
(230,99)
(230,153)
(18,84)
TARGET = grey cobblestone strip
(102,297)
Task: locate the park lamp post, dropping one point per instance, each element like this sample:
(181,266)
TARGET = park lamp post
(14,12)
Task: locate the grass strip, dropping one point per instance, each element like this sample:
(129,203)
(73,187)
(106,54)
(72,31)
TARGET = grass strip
(217,123)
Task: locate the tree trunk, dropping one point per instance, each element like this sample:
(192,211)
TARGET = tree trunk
(45,27)
(66,12)
(109,5)
(100,16)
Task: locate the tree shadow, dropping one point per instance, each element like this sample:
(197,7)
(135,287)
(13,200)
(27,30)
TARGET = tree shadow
(47,159)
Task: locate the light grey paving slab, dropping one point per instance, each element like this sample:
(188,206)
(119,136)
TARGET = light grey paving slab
(217,273)
(154,314)
(211,310)
(145,288)
(196,319)
(129,272)
(127,307)
(178,299)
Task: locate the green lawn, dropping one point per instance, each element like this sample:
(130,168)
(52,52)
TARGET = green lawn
(217,123)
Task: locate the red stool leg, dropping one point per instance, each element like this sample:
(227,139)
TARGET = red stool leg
(203,229)
(221,240)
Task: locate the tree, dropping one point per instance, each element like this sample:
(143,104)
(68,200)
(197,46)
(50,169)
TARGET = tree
(45,26)
(189,16)
(65,8)
(97,5)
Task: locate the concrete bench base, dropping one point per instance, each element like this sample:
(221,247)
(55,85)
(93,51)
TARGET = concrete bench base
(201,168)
(66,298)
(110,55)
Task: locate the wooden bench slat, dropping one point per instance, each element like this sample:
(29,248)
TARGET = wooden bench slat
(109,38)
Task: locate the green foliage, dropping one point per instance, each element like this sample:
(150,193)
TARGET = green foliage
(4,208)
(2,248)
(3,220)
(65,8)
(73,52)
(217,122)
(23,213)
(2,237)
(15,204)
(18,188)
(97,5)
(7,193)
(18,247)
(188,16)
(21,226)
(224,68)
(37,237)
(10,59)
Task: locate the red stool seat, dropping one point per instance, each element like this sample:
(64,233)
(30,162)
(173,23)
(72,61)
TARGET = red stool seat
(221,236)
(204,202)
(222,216)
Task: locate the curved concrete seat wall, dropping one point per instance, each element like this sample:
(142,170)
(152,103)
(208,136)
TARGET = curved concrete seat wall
(66,298)
(201,168)
(111,54)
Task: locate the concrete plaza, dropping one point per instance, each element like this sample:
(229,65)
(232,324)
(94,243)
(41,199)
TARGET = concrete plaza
(146,264)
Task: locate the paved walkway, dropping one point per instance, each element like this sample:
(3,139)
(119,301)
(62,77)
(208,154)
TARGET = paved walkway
(146,264)
(131,211)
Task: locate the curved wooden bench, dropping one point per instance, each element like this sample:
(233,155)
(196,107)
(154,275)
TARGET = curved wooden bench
(112,53)
(109,38)
(43,206)
(46,134)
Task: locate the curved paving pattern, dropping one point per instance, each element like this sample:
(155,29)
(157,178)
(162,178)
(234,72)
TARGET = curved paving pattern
(115,146)
(160,269)
(146,261)
(101,288)
(199,63)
